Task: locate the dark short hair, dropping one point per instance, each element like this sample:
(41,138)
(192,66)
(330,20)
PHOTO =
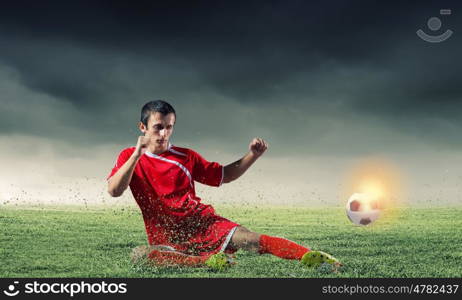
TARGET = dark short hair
(160,106)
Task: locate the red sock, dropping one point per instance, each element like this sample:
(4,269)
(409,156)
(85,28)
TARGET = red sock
(175,258)
(281,247)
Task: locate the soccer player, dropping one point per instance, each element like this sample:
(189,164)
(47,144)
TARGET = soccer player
(181,229)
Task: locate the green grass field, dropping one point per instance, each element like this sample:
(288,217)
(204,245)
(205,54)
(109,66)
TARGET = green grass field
(79,242)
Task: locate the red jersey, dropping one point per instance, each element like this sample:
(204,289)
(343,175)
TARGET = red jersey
(163,187)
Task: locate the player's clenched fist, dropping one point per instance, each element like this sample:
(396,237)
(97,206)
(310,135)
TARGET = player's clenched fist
(258,146)
(142,145)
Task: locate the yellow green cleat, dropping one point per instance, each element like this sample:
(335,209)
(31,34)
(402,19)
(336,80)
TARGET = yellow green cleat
(218,262)
(316,259)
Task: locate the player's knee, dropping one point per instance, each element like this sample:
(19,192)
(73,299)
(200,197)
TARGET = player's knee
(244,238)
(254,239)
(249,235)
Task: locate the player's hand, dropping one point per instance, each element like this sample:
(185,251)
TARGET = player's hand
(142,145)
(258,146)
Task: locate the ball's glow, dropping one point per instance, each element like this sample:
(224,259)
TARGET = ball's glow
(372,187)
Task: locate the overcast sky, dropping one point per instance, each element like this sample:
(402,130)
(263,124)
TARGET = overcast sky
(326,84)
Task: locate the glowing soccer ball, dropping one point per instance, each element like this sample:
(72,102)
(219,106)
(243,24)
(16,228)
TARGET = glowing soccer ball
(363,209)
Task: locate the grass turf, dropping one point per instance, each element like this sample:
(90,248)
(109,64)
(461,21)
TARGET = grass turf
(78,242)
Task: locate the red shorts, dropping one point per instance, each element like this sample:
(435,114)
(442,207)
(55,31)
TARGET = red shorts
(201,234)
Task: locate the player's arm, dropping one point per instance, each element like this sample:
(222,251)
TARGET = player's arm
(234,170)
(120,181)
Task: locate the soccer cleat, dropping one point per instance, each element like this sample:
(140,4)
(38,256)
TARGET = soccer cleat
(218,262)
(315,259)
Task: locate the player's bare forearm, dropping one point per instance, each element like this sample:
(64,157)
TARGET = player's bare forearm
(235,170)
(120,181)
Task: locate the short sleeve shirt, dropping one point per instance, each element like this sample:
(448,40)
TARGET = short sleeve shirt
(163,186)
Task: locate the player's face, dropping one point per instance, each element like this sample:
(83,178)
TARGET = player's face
(159,129)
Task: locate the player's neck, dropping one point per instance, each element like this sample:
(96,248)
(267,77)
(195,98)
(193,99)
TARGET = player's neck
(159,150)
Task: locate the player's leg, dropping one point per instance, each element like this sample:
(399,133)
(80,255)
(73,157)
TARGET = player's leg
(163,256)
(244,239)
(265,244)
(281,247)
(159,255)
(141,253)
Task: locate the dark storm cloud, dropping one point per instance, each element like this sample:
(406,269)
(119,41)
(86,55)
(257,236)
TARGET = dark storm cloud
(298,71)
